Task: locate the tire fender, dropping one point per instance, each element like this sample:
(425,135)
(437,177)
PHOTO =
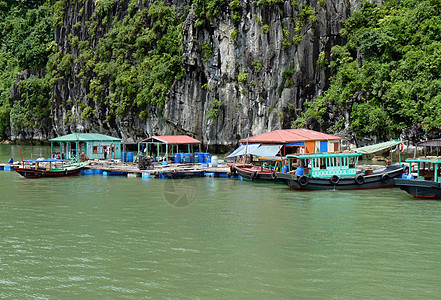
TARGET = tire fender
(359,179)
(385,178)
(334,179)
(303,180)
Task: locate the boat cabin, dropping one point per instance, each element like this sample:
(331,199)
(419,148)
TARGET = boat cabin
(426,168)
(273,163)
(324,164)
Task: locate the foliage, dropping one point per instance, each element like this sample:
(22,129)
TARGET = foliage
(26,41)
(267,2)
(136,64)
(213,112)
(34,106)
(257,66)
(285,41)
(207,49)
(233,34)
(242,77)
(207,10)
(395,83)
(265,28)
(297,39)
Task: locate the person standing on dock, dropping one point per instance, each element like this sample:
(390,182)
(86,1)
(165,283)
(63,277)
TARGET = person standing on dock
(105,152)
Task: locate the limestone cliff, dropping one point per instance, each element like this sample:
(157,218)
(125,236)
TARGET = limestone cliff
(246,74)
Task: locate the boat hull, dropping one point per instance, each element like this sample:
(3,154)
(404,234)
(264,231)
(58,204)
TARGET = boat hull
(379,179)
(44,173)
(255,174)
(420,188)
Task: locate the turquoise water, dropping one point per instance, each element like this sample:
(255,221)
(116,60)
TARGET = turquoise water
(119,238)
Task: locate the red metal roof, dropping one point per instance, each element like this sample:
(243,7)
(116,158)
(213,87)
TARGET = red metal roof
(176,139)
(284,136)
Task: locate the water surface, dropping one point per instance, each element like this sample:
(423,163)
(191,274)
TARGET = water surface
(119,238)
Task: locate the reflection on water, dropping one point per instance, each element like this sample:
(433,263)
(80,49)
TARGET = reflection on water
(117,237)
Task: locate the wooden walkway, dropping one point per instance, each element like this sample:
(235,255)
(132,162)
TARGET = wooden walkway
(162,171)
(171,170)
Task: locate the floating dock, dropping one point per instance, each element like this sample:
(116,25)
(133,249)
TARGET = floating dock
(118,168)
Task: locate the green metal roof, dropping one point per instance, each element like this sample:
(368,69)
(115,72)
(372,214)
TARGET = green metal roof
(86,137)
(377,147)
(324,155)
(422,160)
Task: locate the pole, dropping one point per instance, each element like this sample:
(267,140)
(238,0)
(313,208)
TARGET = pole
(22,162)
(246,150)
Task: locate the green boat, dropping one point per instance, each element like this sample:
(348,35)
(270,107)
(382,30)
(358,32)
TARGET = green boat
(49,168)
(324,171)
(427,182)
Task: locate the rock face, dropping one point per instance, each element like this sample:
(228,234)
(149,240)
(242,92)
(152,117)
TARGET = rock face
(261,71)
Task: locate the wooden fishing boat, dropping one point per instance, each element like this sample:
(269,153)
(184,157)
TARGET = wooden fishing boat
(325,171)
(265,172)
(49,168)
(426,183)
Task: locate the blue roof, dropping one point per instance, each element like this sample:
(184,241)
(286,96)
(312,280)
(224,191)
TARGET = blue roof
(43,160)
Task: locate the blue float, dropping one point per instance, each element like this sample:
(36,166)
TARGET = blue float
(187,158)
(177,158)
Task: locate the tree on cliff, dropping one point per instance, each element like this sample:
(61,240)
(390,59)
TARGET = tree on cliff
(388,74)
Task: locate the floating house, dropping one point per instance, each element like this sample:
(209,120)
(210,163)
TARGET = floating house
(94,145)
(288,141)
(167,145)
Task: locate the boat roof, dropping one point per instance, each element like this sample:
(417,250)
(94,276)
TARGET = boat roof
(83,137)
(285,136)
(273,158)
(173,139)
(377,147)
(267,150)
(431,143)
(323,155)
(257,150)
(427,159)
(43,160)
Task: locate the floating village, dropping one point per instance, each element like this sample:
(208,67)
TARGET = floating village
(300,158)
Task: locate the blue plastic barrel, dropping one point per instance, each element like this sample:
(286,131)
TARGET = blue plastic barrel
(196,157)
(130,156)
(187,158)
(123,156)
(201,157)
(182,157)
(285,169)
(208,158)
(177,158)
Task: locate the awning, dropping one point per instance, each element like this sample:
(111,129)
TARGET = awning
(377,147)
(273,158)
(267,150)
(431,143)
(43,160)
(242,148)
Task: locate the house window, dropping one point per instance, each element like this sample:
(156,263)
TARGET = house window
(95,149)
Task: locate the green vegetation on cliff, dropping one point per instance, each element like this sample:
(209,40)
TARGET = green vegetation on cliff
(26,35)
(388,74)
(137,60)
(386,77)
